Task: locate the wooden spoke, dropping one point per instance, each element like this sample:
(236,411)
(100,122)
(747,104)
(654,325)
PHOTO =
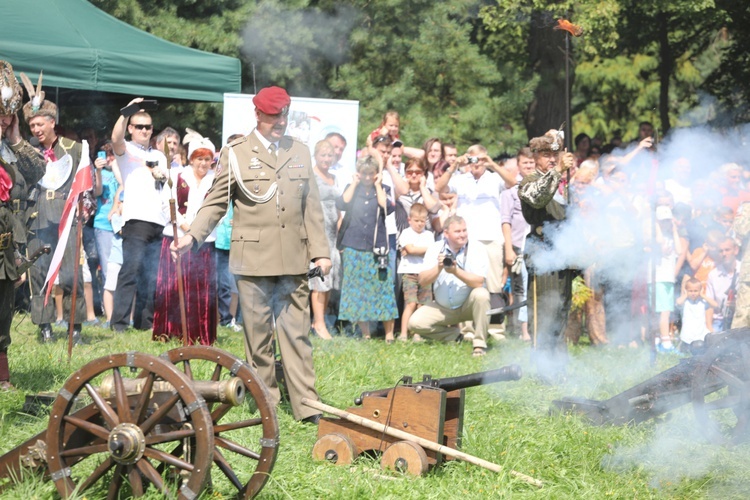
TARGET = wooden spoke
(148,470)
(251,422)
(168,459)
(121,397)
(90,427)
(139,412)
(107,412)
(114,486)
(224,467)
(85,451)
(136,483)
(102,469)
(148,424)
(232,446)
(166,437)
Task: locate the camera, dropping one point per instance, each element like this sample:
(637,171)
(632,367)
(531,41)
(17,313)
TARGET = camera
(472,159)
(381,253)
(449,261)
(152,163)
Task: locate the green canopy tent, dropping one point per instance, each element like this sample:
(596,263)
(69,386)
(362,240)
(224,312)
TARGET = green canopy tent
(81,47)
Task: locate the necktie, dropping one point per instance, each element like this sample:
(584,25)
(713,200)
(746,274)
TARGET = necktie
(272,149)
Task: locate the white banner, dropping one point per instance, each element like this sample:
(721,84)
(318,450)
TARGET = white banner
(310,120)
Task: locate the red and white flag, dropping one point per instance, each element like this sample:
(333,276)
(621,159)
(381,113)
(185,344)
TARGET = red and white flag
(82,182)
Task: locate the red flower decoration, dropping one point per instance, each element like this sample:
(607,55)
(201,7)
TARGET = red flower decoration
(5,185)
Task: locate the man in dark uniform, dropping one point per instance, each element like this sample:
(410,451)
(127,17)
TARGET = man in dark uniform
(277,230)
(62,156)
(549,287)
(18,160)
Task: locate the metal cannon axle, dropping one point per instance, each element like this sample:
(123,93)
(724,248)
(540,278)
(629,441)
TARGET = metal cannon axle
(230,391)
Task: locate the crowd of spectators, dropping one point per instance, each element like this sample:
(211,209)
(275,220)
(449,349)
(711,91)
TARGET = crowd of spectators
(661,250)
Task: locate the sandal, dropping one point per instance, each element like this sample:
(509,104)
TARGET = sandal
(479,352)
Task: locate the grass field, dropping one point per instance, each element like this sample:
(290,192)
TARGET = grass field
(507,423)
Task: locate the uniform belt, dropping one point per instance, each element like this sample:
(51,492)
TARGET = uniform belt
(5,240)
(18,206)
(51,194)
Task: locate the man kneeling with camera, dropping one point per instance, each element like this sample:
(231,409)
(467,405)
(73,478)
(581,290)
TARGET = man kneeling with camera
(458,288)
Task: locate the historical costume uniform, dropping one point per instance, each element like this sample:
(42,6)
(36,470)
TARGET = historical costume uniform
(198,268)
(277,230)
(741,230)
(549,292)
(18,162)
(63,158)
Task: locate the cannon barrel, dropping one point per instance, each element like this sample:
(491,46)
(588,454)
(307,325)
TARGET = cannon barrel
(510,372)
(230,391)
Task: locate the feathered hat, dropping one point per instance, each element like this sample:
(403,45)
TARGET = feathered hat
(196,141)
(37,105)
(551,141)
(11,94)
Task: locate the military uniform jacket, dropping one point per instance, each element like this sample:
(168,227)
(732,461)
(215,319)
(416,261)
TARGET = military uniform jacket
(536,193)
(49,209)
(276,237)
(28,168)
(25,163)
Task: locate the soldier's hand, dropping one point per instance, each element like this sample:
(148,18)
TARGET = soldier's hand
(183,245)
(12,132)
(566,161)
(324,264)
(20,281)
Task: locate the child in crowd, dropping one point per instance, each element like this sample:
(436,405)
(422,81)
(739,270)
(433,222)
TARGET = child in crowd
(389,126)
(413,242)
(668,249)
(696,313)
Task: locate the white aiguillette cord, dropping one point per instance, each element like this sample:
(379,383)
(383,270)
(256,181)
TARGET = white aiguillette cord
(234,167)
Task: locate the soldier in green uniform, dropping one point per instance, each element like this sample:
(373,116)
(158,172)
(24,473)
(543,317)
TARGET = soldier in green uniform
(549,286)
(62,157)
(19,163)
(277,230)
(741,229)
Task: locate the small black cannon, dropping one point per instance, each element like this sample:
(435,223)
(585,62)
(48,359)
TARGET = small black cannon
(432,409)
(716,380)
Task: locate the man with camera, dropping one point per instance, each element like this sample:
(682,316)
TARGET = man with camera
(143,171)
(478,192)
(458,288)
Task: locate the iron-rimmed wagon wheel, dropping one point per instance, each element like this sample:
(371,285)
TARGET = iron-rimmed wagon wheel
(721,391)
(232,425)
(126,439)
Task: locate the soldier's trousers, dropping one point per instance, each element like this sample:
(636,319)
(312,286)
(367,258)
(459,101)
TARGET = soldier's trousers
(285,298)
(549,298)
(7,297)
(41,313)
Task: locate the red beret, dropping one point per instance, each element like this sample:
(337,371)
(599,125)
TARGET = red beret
(272,100)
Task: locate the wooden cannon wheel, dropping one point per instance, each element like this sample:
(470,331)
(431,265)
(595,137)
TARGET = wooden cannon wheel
(336,448)
(246,467)
(405,456)
(124,442)
(721,392)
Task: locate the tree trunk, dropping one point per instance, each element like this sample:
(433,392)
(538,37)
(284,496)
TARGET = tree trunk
(666,65)
(547,54)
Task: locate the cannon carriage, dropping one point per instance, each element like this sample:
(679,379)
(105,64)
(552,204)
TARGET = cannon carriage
(179,423)
(715,381)
(422,414)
